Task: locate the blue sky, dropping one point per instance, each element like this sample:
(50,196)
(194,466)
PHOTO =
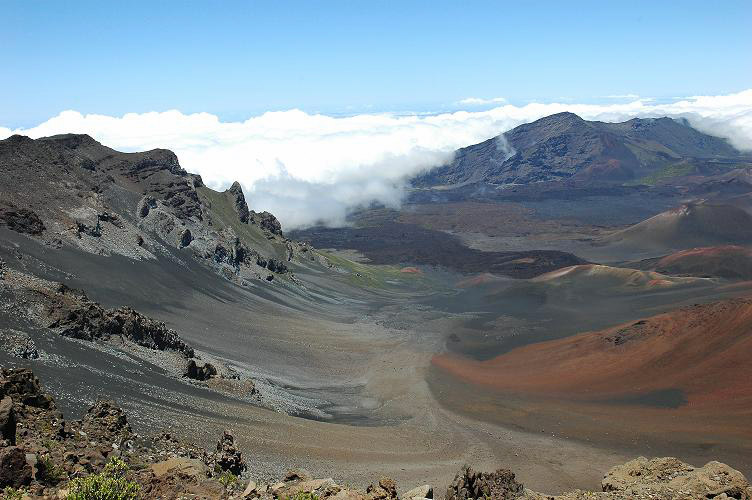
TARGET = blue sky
(238,59)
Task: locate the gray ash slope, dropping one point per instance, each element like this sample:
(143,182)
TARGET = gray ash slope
(564,146)
(135,230)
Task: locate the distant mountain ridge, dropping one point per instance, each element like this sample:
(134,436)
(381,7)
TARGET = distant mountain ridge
(564,146)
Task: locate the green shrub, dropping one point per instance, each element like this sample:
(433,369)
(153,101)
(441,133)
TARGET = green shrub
(304,495)
(12,493)
(48,472)
(110,484)
(227,479)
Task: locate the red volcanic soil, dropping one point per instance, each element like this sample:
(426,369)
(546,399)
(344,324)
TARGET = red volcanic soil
(477,280)
(704,351)
(729,261)
(411,270)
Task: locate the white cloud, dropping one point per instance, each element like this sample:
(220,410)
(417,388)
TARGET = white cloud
(310,167)
(478,101)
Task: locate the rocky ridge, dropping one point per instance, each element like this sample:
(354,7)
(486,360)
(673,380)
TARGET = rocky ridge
(140,205)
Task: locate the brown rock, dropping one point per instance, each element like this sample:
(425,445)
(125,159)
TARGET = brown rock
(14,471)
(386,489)
(7,420)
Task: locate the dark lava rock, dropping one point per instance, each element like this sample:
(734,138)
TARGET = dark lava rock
(185,238)
(146,205)
(200,372)
(268,222)
(7,420)
(88,320)
(227,457)
(111,218)
(241,207)
(499,485)
(14,471)
(276,266)
(20,220)
(95,231)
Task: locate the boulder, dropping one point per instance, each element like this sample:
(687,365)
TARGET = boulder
(200,372)
(183,466)
(14,470)
(21,385)
(661,477)
(425,491)
(384,490)
(185,238)
(297,475)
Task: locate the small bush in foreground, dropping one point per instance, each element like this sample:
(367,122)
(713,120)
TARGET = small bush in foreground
(304,495)
(228,479)
(110,484)
(49,472)
(11,494)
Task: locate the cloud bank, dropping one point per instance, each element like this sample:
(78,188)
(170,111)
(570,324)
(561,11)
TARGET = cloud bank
(311,168)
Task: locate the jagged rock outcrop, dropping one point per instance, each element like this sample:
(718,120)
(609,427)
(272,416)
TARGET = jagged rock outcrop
(83,319)
(227,457)
(469,484)
(23,387)
(241,207)
(267,221)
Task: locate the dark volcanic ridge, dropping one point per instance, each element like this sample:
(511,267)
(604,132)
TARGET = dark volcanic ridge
(392,242)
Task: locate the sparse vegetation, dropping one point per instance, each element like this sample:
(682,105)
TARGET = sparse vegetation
(304,495)
(12,493)
(110,484)
(228,479)
(49,472)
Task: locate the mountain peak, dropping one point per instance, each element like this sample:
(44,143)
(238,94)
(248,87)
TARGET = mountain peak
(564,146)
